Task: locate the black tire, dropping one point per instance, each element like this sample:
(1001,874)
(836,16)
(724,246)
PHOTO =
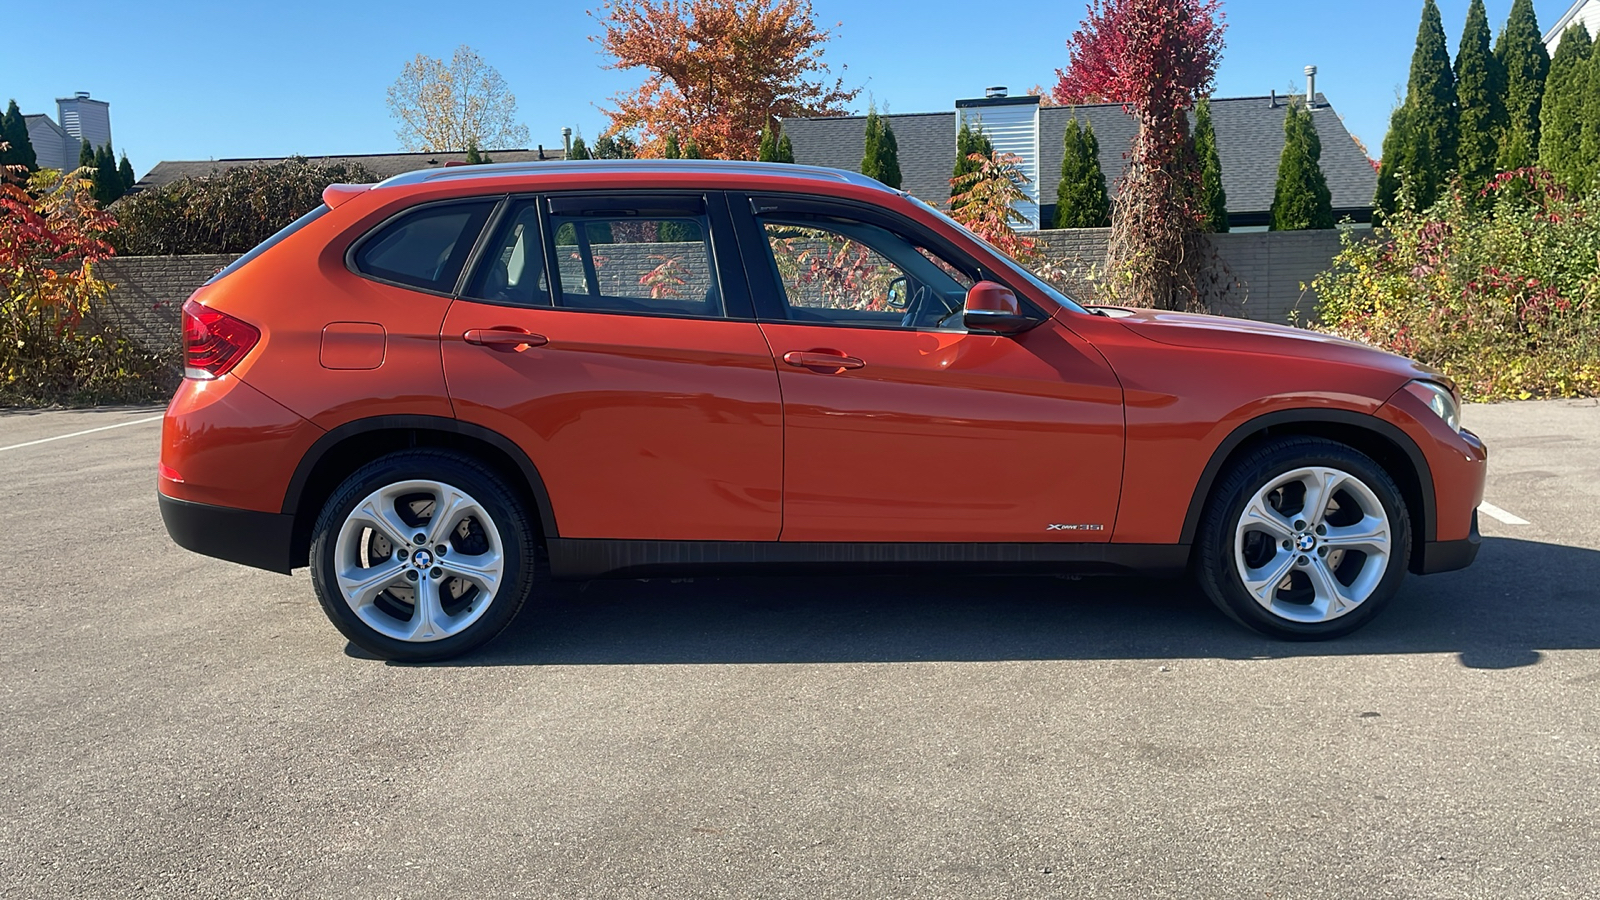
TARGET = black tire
(517,544)
(1216,563)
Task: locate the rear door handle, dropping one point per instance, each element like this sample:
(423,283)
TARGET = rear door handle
(821,359)
(503,339)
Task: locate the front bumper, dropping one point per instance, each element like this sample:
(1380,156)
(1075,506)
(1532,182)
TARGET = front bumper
(257,539)
(1448,556)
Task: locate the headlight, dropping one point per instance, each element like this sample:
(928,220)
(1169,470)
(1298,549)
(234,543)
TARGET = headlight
(1440,400)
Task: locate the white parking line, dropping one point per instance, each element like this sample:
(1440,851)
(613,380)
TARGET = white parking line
(1489,509)
(62,437)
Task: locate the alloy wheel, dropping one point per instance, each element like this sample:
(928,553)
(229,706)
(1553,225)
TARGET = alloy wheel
(419,561)
(1313,544)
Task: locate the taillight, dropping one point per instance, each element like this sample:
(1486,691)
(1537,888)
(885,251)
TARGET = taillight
(213,342)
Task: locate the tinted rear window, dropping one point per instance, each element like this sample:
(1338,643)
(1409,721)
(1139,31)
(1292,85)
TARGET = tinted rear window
(271,242)
(425,248)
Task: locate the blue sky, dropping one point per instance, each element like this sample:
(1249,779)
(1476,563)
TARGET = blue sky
(209,80)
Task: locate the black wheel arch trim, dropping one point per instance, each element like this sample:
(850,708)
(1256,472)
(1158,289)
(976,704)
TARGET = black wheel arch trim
(338,435)
(1224,450)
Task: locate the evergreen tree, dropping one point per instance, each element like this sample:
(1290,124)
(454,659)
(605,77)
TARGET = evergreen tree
(474,158)
(768,150)
(1396,146)
(1434,125)
(1526,62)
(1302,200)
(1081,200)
(86,156)
(1590,171)
(969,141)
(1561,116)
(107,180)
(1480,101)
(672,151)
(882,157)
(691,150)
(1213,199)
(785,149)
(125,170)
(14,131)
(579,150)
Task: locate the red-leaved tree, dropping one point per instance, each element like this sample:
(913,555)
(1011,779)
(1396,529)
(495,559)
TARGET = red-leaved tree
(719,71)
(1155,57)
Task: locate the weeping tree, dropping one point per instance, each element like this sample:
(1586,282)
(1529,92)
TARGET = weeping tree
(1156,58)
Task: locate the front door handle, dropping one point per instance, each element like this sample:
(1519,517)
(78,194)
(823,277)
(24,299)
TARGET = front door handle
(504,339)
(821,359)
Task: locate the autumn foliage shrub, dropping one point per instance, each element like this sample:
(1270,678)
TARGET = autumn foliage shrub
(1501,292)
(53,348)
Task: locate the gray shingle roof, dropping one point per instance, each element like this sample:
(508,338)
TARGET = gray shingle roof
(382,165)
(1249,144)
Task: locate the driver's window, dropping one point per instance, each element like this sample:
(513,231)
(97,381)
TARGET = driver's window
(844,272)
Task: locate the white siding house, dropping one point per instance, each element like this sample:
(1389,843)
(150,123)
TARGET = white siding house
(1012,125)
(54,148)
(1585,11)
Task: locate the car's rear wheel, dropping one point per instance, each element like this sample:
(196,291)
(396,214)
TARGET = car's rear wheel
(1304,539)
(422,555)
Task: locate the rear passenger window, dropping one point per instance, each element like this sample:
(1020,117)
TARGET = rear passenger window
(512,266)
(637,260)
(425,248)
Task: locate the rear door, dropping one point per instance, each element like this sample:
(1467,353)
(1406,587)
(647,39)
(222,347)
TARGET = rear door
(599,333)
(898,424)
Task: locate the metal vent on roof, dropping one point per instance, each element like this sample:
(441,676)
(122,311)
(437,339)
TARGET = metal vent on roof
(998,92)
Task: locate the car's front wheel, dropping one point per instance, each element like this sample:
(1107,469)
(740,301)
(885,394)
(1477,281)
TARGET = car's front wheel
(1304,539)
(422,555)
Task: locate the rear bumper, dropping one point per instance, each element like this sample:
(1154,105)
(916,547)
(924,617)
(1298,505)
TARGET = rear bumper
(1448,556)
(257,539)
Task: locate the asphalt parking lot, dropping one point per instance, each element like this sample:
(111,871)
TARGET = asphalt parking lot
(179,726)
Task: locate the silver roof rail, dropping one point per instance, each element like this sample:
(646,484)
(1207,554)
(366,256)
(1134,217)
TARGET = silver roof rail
(648,166)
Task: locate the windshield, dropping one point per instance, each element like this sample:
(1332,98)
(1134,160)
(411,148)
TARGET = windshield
(1019,271)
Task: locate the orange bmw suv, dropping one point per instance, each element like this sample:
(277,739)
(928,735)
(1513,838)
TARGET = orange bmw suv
(426,388)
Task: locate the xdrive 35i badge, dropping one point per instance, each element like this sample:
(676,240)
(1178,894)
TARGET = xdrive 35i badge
(1075,528)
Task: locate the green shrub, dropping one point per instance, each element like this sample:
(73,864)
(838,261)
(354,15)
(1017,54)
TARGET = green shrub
(226,212)
(1503,295)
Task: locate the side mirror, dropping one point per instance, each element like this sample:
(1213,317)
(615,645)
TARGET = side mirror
(993,309)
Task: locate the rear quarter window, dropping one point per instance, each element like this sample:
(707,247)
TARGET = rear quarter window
(424,248)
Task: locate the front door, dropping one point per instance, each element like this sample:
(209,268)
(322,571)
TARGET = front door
(899,426)
(634,378)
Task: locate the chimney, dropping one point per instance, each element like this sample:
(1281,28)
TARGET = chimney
(566,140)
(997,92)
(1311,87)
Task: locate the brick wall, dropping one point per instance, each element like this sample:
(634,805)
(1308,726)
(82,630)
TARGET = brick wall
(1264,269)
(147,293)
